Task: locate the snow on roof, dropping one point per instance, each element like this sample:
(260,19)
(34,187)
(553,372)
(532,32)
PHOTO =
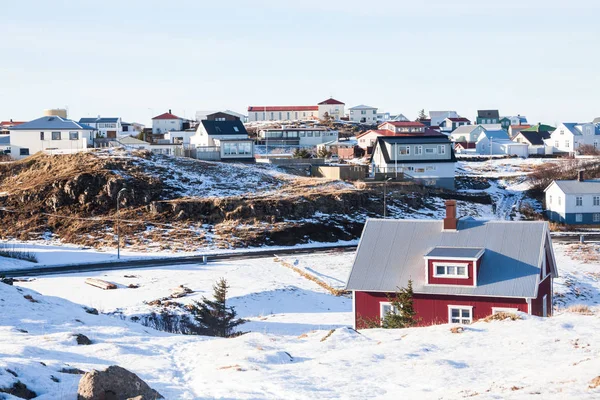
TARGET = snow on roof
(404,123)
(390,253)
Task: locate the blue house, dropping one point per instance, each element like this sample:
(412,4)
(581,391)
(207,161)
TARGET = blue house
(574,201)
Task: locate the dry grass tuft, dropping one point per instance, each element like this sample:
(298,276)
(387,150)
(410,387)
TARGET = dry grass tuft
(501,316)
(594,383)
(580,309)
(327,336)
(457,329)
(324,285)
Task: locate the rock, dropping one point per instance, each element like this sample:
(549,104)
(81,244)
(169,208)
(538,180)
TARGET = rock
(82,339)
(91,310)
(8,281)
(19,389)
(114,383)
(13,373)
(72,371)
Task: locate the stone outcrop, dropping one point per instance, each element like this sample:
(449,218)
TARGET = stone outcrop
(114,383)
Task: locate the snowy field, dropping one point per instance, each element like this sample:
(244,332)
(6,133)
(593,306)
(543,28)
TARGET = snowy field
(288,354)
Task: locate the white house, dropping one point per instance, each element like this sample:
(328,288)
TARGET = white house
(166,122)
(106,127)
(574,201)
(297,136)
(282,113)
(229,138)
(437,117)
(363,114)
(179,137)
(331,107)
(466,133)
(496,142)
(451,123)
(132,128)
(200,115)
(367,139)
(535,141)
(428,159)
(4,144)
(568,136)
(50,133)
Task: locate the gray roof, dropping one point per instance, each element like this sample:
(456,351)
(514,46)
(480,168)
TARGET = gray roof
(496,134)
(224,127)
(98,120)
(362,107)
(456,252)
(591,186)
(56,123)
(465,129)
(391,252)
(488,114)
(572,127)
(596,120)
(4,140)
(414,139)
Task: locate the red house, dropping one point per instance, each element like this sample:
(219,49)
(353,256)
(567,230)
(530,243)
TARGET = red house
(462,269)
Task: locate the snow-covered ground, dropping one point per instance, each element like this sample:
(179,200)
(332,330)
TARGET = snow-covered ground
(288,354)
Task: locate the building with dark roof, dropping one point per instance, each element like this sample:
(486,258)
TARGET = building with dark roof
(461,269)
(488,117)
(107,127)
(228,139)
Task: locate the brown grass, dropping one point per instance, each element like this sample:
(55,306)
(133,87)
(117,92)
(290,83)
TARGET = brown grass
(327,336)
(580,309)
(594,383)
(501,316)
(457,329)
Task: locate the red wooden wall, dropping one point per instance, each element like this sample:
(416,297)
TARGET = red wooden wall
(545,288)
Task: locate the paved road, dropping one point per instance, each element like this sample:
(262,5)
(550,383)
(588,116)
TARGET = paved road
(238,255)
(159,262)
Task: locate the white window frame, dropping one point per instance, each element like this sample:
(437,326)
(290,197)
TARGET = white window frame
(430,150)
(406,148)
(578,217)
(578,201)
(461,308)
(450,264)
(496,310)
(549,199)
(596,200)
(441,149)
(418,150)
(596,217)
(381,312)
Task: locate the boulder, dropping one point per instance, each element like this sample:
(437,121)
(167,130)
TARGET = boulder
(114,383)
(82,339)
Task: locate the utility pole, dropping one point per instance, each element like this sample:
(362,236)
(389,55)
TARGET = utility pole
(118,223)
(386,179)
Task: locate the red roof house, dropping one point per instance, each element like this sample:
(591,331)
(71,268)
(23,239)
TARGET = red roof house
(166,115)
(331,101)
(461,269)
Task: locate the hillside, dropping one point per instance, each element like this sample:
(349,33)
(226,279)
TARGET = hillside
(184,204)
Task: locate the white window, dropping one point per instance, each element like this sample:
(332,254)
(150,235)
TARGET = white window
(597,200)
(430,168)
(556,144)
(550,199)
(578,201)
(595,144)
(567,144)
(460,314)
(430,150)
(596,217)
(496,310)
(578,217)
(235,128)
(73,135)
(559,200)
(418,150)
(450,270)
(404,150)
(385,308)
(55,135)
(562,131)
(441,149)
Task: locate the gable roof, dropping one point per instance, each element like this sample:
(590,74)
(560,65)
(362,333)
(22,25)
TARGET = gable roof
(362,107)
(4,140)
(6,124)
(540,128)
(399,139)
(166,115)
(400,124)
(465,129)
(331,100)
(459,119)
(128,140)
(391,252)
(216,128)
(495,134)
(98,120)
(534,138)
(283,108)
(488,114)
(590,186)
(51,122)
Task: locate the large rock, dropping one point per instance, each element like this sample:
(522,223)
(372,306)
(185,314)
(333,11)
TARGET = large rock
(115,383)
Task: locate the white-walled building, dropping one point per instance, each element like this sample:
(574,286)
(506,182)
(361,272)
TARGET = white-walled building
(4,144)
(437,117)
(180,137)
(497,142)
(568,137)
(48,134)
(332,107)
(106,127)
(451,123)
(574,201)
(466,134)
(297,136)
(200,115)
(229,138)
(166,122)
(363,114)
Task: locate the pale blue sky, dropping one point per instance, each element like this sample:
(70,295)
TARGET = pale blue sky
(123,58)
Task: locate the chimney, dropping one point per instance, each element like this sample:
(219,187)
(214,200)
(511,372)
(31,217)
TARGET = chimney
(450,222)
(580,175)
(169,111)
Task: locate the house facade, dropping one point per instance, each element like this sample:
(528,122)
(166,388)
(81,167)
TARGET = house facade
(297,136)
(574,202)
(496,142)
(466,134)
(363,114)
(331,107)
(425,158)
(534,140)
(462,270)
(487,117)
(228,138)
(568,136)
(166,122)
(106,127)
(437,117)
(51,134)
(451,123)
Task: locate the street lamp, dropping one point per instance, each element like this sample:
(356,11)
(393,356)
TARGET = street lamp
(118,221)
(386,180)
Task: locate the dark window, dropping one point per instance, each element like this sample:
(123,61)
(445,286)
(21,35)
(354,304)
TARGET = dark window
(23,152)
(41,135)
(73,135)
(55,135)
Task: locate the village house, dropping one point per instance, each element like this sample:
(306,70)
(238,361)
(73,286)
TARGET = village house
(437,117)
(466,133)
(569,137)
(343,149)
(506,122)
(363,114)
(451,123)
(53,134)
(5,145)
(227,114)
(6,125)
(426,158)
(534,140)
(462,269)
(303,137)
(513,130)
(574,201)
(330,107)
(223,140)
(367,139)
(496,142)
(106,127)
(166,122)
(487,117)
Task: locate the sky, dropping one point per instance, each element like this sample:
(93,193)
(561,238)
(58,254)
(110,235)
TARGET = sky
(137,59)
